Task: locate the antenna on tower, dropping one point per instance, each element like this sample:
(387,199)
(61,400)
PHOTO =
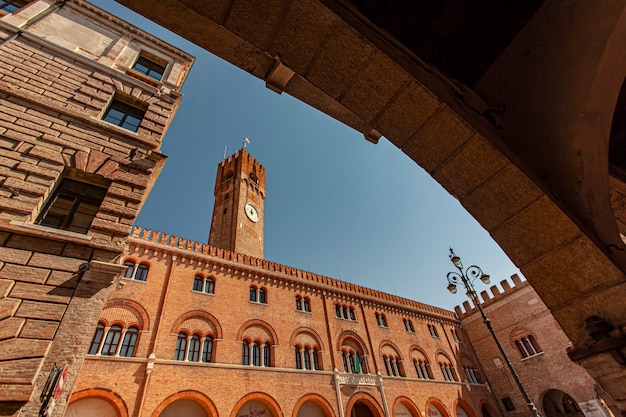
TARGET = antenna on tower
(225,146)
(245,142)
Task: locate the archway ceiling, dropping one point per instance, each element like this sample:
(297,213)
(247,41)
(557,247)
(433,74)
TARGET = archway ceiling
(327,54)
(525,190)
(461,38)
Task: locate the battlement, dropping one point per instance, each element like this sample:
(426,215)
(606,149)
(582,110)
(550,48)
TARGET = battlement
(193,247)
(495,295)
(240,165)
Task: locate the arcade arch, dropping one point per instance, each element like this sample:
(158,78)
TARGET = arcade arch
(187,403)
(363,405)
(463,409)
(435,408)
(556,403)
(96,402)
(256,404)
(405,407)
(313,405)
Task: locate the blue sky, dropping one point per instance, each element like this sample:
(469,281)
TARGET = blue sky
(336,204)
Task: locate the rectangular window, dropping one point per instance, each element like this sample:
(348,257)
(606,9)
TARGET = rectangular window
(12,6)
(124,114)
(150,67)
(508,404)
(73,206)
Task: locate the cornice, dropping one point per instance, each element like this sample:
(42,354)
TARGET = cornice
(184,251)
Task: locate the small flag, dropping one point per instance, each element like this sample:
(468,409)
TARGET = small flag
(245,141)
(358,364)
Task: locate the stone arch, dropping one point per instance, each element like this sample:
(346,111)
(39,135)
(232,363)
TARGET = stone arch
(416,350)
(104,394)
(465,406)
(487,409)
(366,399)
(195,396)
(313,334)
(386,346)
(317,400)
(438,405)
(408,403)
(261,397)
(556,403)
(265,326)
(202,316)
(439,354)
(348,334)
(464,359)
(124,309)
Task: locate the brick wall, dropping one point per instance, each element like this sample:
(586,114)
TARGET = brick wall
(167,300)
(517,311)
(60,66)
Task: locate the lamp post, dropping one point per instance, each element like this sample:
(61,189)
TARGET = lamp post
(467,277)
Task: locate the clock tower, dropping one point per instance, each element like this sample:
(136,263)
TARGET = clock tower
(238,216)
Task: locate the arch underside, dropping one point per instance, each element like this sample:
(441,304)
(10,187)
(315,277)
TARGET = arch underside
(530,163)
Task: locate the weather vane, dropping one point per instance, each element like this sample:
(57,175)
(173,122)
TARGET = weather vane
(245,142)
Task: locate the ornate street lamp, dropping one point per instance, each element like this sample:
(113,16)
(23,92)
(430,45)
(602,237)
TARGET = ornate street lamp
(467,277)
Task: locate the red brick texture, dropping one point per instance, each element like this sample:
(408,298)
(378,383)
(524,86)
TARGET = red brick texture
(54,91)
(229,317)
(517,312)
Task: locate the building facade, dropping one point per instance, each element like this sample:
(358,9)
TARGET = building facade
(198,330)
(537,347)
(85,100)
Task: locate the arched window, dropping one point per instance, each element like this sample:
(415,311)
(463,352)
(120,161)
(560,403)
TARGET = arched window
(307,358)
(298,358)
(130,268)
(455,336)
(472,374)
(352,314)
(422,369)
(392,366)
(245,352)
(408,325)
(337,311)
(197,283)
(142,272)
(344,311)
(256,354)
(298,303)
(209,286)
(448,371)
(262,298)
(181,347)
(306,304)
(381,320)
(112,340)
(316,359)
(528,346)
(194,348)
(433,330)
(207,350)
(352,363)
(96,339)
(128,344)
(253,294)
(267,355)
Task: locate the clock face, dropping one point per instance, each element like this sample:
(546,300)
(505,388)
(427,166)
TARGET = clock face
(251,212)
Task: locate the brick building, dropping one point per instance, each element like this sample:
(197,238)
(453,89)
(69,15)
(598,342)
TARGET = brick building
(537,347)
(199,330)
(85,100)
